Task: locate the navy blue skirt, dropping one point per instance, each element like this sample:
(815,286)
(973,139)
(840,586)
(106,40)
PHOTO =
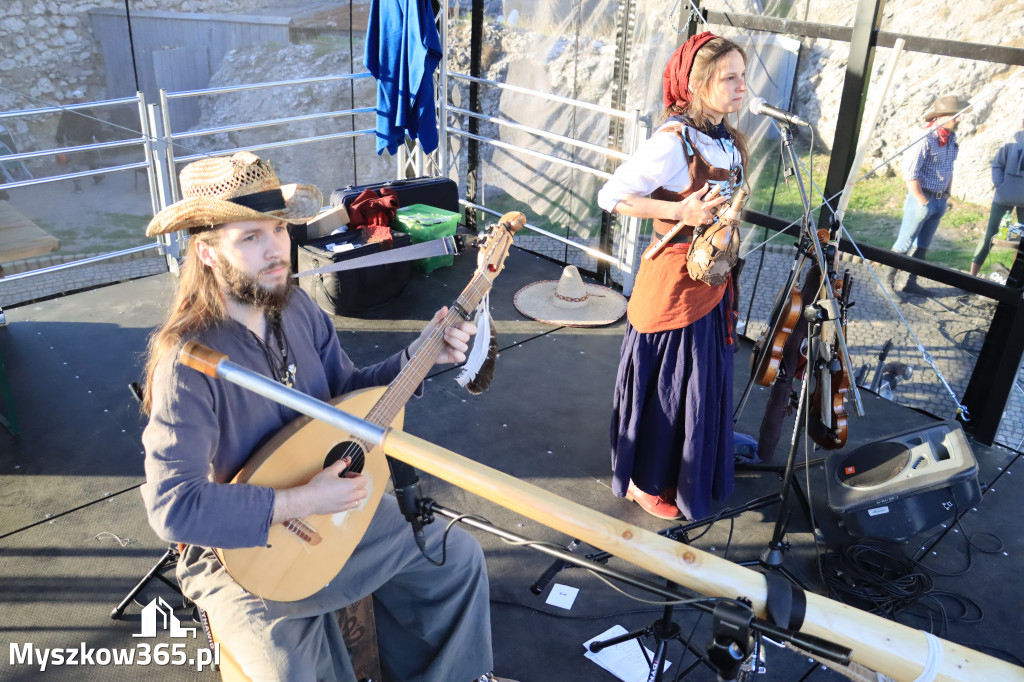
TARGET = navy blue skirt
(672,413)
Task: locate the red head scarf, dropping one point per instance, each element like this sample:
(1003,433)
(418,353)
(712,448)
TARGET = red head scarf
(676,79)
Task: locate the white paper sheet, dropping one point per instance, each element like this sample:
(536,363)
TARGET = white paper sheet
(624,660)
(562,596)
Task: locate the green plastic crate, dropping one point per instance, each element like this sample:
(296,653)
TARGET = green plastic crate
(425,223)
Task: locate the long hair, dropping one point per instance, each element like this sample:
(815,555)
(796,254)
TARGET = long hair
(198,304)
(705,65)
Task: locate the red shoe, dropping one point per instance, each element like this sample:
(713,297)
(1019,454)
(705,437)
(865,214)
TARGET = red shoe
(653,504)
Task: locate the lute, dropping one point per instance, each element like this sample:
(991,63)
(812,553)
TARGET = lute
(303,555)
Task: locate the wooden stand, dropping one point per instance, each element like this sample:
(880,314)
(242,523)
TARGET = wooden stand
(358,629)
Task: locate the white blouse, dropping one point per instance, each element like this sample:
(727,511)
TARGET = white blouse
(659,161)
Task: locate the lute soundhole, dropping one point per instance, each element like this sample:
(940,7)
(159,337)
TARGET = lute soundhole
(350,449)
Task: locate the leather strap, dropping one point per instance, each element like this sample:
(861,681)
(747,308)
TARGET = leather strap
(786,603)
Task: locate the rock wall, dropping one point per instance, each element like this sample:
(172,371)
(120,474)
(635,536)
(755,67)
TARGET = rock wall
(997,90)
(329,165)
(49,52)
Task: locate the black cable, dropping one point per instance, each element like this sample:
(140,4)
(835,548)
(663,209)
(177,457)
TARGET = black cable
(567,616)
(871,573)
(886,583)
(807,674)
(728,540)
(985,647)
(451,524)
(131,44)
(682,656)
(968,539)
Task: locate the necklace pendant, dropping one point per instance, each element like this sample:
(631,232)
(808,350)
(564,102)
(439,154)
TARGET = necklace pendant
(289,376)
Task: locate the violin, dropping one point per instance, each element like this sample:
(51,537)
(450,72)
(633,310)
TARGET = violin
(766,361)
(827,418)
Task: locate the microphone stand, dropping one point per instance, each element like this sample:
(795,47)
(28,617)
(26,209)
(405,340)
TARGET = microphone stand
(816,314)
(819,256)
(828,309)
(772,556)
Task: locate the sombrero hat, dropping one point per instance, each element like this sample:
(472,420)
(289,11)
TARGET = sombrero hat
(234,188)
(570,302)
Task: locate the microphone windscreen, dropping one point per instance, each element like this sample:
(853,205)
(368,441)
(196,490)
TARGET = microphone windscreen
(755,105)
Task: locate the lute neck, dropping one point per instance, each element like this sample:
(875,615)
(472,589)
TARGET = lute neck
(415,371)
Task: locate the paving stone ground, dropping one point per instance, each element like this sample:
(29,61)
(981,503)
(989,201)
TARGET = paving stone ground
(949,325)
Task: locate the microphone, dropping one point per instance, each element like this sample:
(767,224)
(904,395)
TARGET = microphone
(407,490)
(759,106)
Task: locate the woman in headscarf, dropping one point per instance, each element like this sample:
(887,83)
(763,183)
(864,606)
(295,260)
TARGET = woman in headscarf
(671,432)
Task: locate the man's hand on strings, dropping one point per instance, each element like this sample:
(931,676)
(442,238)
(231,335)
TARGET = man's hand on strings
(331,491)
(456,339)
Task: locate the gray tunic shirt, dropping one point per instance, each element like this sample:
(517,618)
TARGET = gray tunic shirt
(202,430)
(1008,172)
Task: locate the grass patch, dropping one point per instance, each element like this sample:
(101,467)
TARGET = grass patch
(111,232)
(332,44)
(572,217)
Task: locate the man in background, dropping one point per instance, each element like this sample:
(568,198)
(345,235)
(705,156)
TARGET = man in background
(929,177)
(79,127)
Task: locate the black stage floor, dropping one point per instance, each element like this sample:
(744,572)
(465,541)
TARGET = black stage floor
(74,538)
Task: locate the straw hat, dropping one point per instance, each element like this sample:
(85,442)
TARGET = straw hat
(229,189)
(570,302)
(947,105)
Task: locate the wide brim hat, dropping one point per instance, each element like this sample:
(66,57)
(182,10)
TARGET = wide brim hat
(946,105)
(228,189)
(570,302)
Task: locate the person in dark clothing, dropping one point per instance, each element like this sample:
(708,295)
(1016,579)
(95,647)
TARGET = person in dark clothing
(1008,178)
(78,127)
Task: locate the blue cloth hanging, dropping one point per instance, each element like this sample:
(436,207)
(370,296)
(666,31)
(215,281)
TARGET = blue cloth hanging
(402,51)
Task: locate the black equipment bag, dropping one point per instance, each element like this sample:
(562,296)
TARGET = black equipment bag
(355,291)
(351,291)
(438,192)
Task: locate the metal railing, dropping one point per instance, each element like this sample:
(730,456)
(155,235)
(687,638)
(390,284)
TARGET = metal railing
(172,139)
(142,140)
(629,233)
(164,149)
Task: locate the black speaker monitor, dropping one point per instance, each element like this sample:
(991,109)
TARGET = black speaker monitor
(905,484)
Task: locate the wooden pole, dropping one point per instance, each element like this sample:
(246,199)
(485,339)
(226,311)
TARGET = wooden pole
(901,652)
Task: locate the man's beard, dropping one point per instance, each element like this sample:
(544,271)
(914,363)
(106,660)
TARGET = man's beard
(246,289)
